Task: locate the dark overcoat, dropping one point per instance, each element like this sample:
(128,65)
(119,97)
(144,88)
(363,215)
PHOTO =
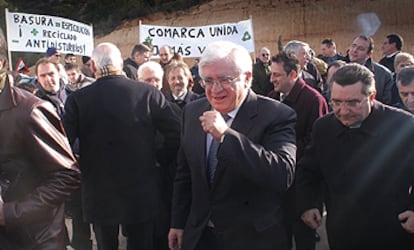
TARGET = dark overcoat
(368,172)
(116,120)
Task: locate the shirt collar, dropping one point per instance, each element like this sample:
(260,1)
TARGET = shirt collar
(182,97)
(392,54)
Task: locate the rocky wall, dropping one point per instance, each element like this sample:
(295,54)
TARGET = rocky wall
(306,20)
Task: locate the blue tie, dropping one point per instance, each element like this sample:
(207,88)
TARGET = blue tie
(212,155)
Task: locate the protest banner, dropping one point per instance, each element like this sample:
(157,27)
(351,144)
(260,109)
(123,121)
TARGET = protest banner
(35,33)
(191,41)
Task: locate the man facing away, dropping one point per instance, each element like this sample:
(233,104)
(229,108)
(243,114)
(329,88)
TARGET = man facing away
(86,67)
(362,153)
(115,120)
(228,186)
(391,46)
(38,172)
(310,73)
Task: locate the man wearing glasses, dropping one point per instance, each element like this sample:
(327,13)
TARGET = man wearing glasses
(261,73)
(236,160)
(362,152)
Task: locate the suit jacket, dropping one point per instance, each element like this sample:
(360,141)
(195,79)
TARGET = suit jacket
(330,60)
(255,167)
(368,172)
(191,96)
(261,79)
(388,62)
(38,172)
(115,120)
(383,81)
(131,68)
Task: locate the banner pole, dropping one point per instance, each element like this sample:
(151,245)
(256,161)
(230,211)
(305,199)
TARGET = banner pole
(254,43)
(139,30)
(93,38)
(6,14)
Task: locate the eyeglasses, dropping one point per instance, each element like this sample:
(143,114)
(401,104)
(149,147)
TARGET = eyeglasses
(348,103)
(150,79)
(265,54)
(222,81)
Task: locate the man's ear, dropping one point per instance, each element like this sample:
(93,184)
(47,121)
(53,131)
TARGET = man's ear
(93,66)
(248,79)
(372,97)
(293,75)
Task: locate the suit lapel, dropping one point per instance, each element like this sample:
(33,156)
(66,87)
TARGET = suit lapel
(200,139)
(242,122)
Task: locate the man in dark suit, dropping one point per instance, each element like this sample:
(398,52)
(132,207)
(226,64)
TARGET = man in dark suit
(140,54)
(362,152)
(391,46)
(361,51)
(229,184)
(179,78)
(115,120)
(261,73)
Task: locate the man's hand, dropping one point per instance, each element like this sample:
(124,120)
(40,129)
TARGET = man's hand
(214,124)
(407,220)
(312,218)
(175,237)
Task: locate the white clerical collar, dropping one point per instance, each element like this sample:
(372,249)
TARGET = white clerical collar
(182,97)
(393,54)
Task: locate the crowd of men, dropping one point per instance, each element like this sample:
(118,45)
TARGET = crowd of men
(227,154)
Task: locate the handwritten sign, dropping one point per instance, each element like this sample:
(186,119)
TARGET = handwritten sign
(36,33)
(192,41)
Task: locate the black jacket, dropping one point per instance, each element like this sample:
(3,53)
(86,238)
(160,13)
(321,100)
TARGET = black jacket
(115,120)
(368,172)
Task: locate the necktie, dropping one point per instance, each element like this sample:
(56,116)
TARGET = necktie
(180,103)
(212,155)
